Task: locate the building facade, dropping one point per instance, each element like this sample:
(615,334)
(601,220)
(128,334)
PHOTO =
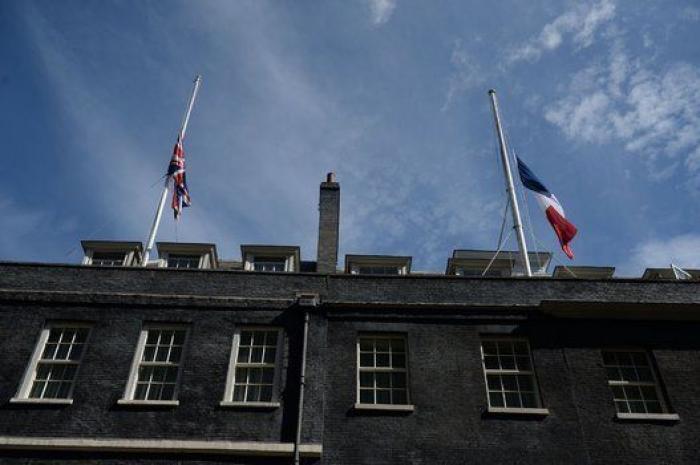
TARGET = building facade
(273,359)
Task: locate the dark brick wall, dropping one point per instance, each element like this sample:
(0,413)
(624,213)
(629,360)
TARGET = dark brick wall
(105,369)
(450,424)
(328,227)
(442,324)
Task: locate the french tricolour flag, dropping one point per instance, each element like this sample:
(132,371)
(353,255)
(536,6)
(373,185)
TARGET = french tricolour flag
(552,208)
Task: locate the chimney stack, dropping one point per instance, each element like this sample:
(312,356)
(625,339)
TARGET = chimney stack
(328,225)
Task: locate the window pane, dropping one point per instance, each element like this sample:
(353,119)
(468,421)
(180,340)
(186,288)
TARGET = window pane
(649,393)
(654,407)
(243,355)
(507,363)
(382,360)
(37,389)
(633,392)
(644,374)
(140,393)
(398,360)
(491,362)
(525,383)
(253,393)
(399,396)
(621,406)
(366,379)
(366,345)
(270,355)
(366,396)
(383,380)
(268,375)
(180,337)
(266,393)
(494,382)
(366,360)
(382,345)
(256,355)
(383,396)
(512,400)
(496,399)
(168,392)
(175,354)
(258,338)
(246,337)
(528,400)
(637,407)
(510,382)
(238,393)
(398,380)
(62,352)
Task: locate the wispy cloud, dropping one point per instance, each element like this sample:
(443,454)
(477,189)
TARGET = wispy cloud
(682,250)
(580,24)
(381,10)
(466,73)
(652,112)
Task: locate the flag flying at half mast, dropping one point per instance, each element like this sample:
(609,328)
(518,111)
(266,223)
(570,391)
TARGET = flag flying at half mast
(564,230)
(176,170)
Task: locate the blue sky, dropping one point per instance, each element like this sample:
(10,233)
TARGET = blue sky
(601,98)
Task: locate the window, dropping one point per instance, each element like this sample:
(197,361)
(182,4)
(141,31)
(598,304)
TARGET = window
(183,261)
(382,374)
(155,372)
(510,377)
(52,372)
(377,269)
(269,264)
(255,356)
(107,258)
(633,382)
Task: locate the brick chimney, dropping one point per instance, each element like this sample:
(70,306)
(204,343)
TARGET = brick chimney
(328,225)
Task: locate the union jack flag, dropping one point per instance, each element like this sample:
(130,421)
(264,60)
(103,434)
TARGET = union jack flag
(176,170)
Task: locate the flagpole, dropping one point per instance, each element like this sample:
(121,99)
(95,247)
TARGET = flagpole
(166,186)
(517,223)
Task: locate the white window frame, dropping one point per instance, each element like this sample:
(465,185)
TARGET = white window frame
(408,406)
(665,412)
(130,390)
(288,262)
(29,376)
(232,364)
(127,257)
(539,410)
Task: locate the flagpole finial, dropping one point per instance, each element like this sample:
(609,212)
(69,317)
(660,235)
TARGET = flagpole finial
(491,92)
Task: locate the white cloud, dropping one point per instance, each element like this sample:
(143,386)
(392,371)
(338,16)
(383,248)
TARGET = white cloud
(381,10)
(682,250)
(466,73)
(580,24)
(654,113)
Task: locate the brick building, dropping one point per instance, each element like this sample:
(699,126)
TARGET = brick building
(193,359)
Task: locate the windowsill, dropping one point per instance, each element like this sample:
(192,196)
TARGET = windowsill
(649,416)
(252,405)
(519,411)
(386,407)
(148,403)
(21,400)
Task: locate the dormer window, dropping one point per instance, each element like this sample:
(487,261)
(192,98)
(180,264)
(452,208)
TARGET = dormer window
(108,259)
(111,253)
(270,264)
(385,265)
(270,258)
(181,255)
(183,261)
(478,263)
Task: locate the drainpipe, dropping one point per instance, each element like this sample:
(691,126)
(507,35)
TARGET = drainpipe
(306,301)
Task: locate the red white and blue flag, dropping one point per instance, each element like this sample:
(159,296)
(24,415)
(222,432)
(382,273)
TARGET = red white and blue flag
(564,229)
(176,170)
